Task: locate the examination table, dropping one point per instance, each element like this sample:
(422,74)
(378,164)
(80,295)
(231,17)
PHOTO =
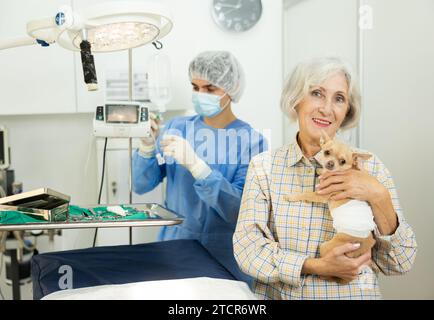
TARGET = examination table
(175,259)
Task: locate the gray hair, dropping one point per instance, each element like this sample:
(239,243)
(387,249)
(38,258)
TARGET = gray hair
(314,72)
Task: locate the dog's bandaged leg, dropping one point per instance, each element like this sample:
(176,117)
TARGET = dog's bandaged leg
(354,218)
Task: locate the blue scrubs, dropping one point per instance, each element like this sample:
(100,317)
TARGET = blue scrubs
(209,206)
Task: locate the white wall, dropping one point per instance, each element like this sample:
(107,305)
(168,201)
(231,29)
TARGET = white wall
(46,75)
(397,79)
(318,28)
(259,50)
(399,108)
(56,150)
(52,85)
(53,150)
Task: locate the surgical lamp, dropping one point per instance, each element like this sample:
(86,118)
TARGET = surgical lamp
(106,27)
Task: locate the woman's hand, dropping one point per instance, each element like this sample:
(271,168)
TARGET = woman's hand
(336,264)
(359,185)
(353,184)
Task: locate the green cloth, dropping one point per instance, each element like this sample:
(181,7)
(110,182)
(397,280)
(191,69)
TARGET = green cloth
(16,217)
(76,215)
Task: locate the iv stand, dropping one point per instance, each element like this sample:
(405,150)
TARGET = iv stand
(158,46)
(130,148)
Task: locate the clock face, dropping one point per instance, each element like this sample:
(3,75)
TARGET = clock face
(236,15)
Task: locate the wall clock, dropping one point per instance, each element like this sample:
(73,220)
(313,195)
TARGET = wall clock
(236,15)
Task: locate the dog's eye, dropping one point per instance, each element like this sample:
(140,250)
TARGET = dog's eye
(342,162)
(327,152)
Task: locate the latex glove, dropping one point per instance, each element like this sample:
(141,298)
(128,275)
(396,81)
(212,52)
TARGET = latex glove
(183,153)
(147,145)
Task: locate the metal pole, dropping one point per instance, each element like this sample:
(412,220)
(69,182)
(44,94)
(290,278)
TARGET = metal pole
(130,144)
(360,69)
(15,274)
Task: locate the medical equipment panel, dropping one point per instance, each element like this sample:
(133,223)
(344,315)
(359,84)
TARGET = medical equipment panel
(122,119)
(4,149)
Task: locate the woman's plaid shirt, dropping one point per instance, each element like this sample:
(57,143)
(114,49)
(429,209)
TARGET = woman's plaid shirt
(273,237)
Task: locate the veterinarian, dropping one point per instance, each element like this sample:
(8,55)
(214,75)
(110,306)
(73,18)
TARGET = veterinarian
(276,241)
(206,159)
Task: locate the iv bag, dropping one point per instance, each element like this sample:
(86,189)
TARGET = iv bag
(159,80)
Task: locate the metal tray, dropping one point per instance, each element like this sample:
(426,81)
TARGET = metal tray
(43,203)
(167,217)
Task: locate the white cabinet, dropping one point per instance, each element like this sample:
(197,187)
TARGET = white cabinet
(310,41)
(34,79)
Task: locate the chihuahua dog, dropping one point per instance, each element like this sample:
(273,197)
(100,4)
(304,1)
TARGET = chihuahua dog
(353,220)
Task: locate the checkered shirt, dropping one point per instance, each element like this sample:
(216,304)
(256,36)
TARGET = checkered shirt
(273,236)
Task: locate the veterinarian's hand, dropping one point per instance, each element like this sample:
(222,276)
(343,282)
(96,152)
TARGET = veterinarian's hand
(147,145)
(181,150)
(353,184)
(337,264)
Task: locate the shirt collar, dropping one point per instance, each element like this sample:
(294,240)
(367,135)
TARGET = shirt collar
(295,154)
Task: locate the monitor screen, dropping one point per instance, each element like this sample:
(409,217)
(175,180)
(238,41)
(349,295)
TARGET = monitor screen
(2,148)
(117,113)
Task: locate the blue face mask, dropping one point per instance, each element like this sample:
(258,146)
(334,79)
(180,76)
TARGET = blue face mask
(207,105)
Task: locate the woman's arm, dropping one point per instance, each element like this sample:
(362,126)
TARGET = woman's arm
(362,186)
(337,264)
(395,250)
(259,254)
(394,253)
(384,212)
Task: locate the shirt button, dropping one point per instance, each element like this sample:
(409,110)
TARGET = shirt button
(309,171)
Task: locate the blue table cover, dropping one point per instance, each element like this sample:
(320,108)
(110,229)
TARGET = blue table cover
(176,259)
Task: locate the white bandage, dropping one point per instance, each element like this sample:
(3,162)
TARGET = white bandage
(354,218)
(117,210)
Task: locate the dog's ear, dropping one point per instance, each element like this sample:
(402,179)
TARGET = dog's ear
(324,138)
(359,156)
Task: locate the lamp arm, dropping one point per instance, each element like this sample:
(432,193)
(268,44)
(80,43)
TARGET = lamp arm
(45,29)
(42,31)
(18,42)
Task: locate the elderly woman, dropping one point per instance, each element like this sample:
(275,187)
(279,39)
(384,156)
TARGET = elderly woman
(277,242)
